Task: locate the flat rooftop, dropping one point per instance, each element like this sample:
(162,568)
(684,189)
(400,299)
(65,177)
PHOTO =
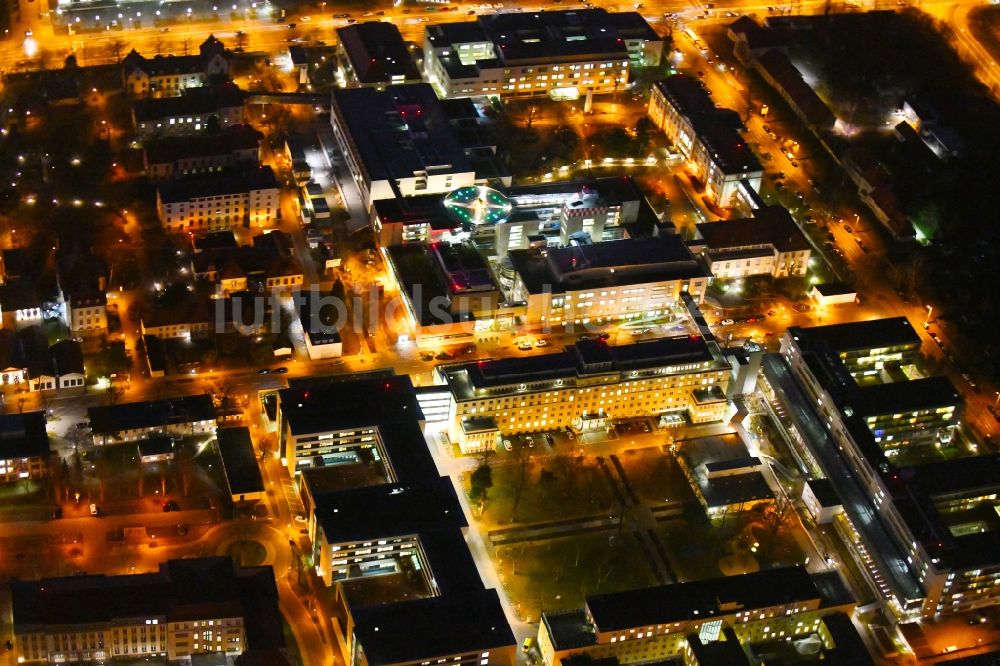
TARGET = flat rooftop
(912,395)
(377,52)
(197,186)
(239,462)
(344,405)
(399,132)
(770,226)
(23,436)
(856,336)
(612,263)
(111,419)
(426,628)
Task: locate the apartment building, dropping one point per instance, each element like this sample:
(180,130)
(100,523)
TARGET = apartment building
(769,243)
(663,622)
(132,421)
(373,54)
(185,608)
(266,266)
(87,312)
(707,136)
(178,156)
(399,142)
(213,201)
(559,54)
(625,280)
(925,530)
(589,381)
(377,506)
(166,76)
(786,79)
(24,446)
(195,110)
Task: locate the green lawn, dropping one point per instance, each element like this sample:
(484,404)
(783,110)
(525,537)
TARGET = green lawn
(558,574)
(655,475)
(555,489)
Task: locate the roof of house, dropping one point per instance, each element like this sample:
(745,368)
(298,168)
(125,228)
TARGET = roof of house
(769,226)
(874,334)
(23,436)
(339,405)
(701,600)
(432,627)
(19,295)
(111,419)
(609,264)
(182,590)
(234,138)
(789,79)
(156,445)
(194,101)
(377,52)
(239,462)
(67,357)
(202,185)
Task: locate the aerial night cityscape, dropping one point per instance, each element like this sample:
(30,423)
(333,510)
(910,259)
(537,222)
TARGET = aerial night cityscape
(556,333)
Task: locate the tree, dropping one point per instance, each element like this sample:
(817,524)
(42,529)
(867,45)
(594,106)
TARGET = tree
(524,461)
(242,40)
(773,518)
(115,48)
(111,359)
(480,483)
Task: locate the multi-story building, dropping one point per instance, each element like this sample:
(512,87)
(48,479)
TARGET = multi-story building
(779,72)
(175,156)
(212,201)
(20,304)
(660,623)
(166,76)
(377,506)
(24,446)
(399,142)
(625,280)
(87,312)
(195,110)
(926,534)
(769,243)
(560,54)
(186,608)
(193,316)
(373,54)
(267,266)
(708,137)
(590,382)
(239,465)
(132,421)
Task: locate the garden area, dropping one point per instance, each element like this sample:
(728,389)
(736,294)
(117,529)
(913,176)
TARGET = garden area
(528,491)
(558,574)
(655,476)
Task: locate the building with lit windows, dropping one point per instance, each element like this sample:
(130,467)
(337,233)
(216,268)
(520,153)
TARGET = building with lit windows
(400,142)
(24,446)
(630,280)
(195,110)
(214,201)
(87,311)
(660,623)
(769,243)
(926,533)
(165,76)
(132,421)
(186,608)
(707,136)
(374,54)
(176,156)
(377,506)
(559,54)
(567,388)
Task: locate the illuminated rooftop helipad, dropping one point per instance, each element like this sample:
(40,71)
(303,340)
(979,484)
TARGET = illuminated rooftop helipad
(478,204)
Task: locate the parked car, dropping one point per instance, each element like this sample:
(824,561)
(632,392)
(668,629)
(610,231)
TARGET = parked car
(170,505)
(727,322)
(542,343)
(507,445)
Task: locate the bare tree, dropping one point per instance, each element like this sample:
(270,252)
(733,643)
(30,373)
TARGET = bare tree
(524,463)
(115,49)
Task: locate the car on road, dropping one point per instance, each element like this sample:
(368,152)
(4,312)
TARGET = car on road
(507,445)
(95,510)
(968,378)
(427,357)
(549,439)
(848,229)
(170,505)
(280,371)
(795,164)
(264,371)
(300,519)
(727,322)
(306,19)
(292,26)
(541,343)
(524,346)
(342,16)
(444,356)
(530,441)
(644,426)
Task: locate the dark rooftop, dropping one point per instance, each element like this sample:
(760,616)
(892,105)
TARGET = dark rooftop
(390,510)
(182,590)
(377,52)
(434,627)
(217,183)
(111,419)
(824,491)
(860,335)
(157,445)
(207,99)
(23,436)
(621,262)
(895,397)
(227,141)
(239,462)
(701,600)
(769,226)
(349,404)
(788,77)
